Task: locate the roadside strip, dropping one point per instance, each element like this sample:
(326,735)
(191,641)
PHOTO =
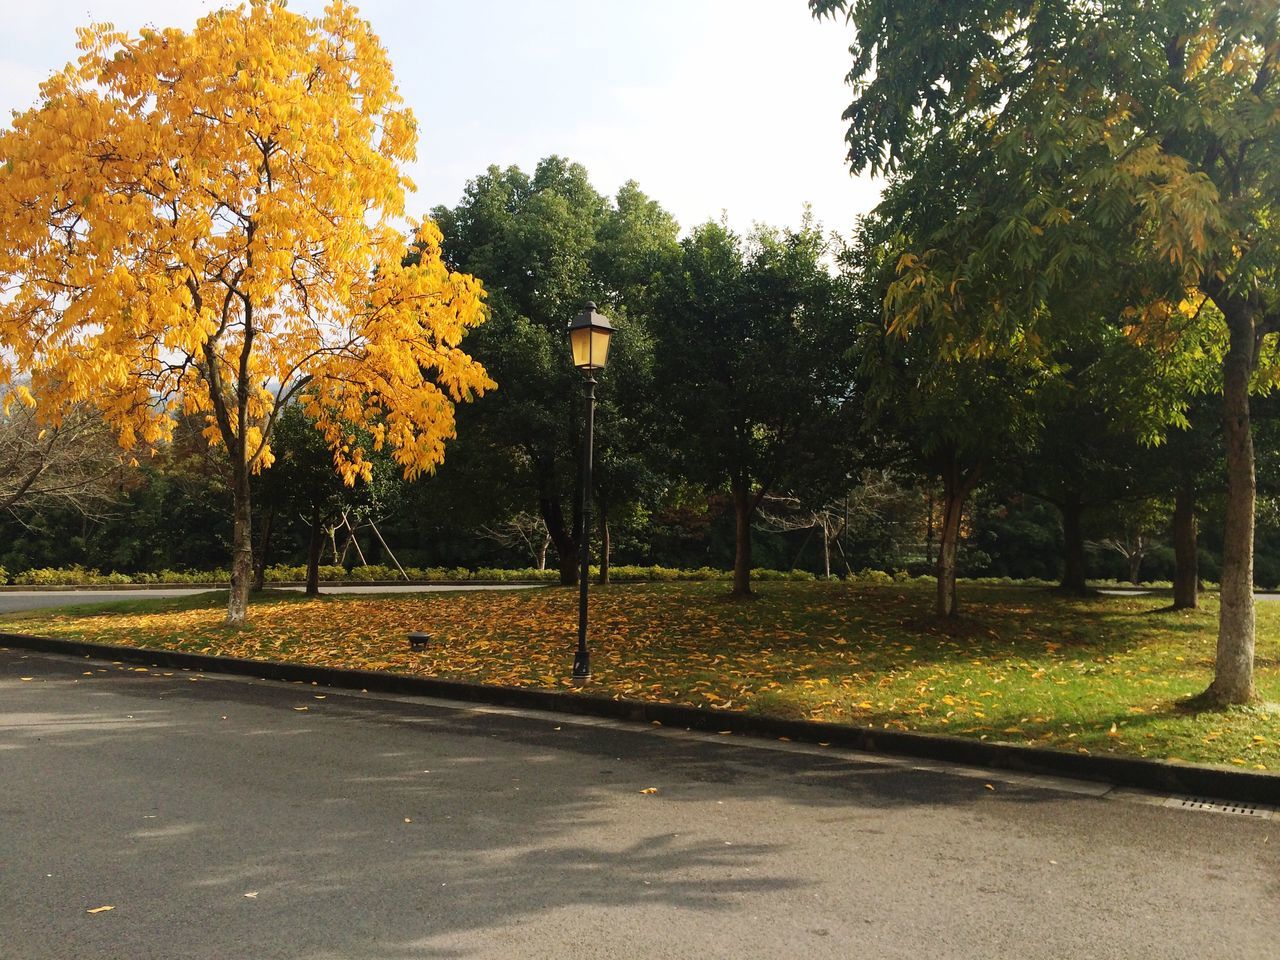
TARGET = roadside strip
(1156,776)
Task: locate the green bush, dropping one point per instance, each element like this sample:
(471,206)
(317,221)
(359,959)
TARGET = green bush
(53,577)
(331,573)
(761,574)
(874,577)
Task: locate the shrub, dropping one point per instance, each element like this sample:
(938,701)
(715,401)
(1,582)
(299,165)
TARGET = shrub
(762,574)
(874,577)
(280,573)
(53,577)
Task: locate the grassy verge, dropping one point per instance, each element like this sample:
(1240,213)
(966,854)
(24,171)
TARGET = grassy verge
(1100,675)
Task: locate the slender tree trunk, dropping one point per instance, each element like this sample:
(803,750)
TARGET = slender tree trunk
(1135,567)
(241,542)
(928,530)
(313,552)
(742,509)
(1233,672)
(543,545)
(956,487)
(606,543)
(826,552)
(1186,573)
(264,545)
(1073,565)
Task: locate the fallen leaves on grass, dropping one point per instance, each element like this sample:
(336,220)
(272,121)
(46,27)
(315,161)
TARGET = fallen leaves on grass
(1096,674)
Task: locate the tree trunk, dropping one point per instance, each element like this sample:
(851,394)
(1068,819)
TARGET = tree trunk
(565,541)
(1073,562)
(313,552)
(606,544)
(543,545)
(260,555)
(742,510)
(928,530)
(1186,573)
(1233,669)
(956,487)
(826,552)
(1135,566)
(241,543)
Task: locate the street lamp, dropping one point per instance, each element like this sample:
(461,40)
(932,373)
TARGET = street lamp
(589,334)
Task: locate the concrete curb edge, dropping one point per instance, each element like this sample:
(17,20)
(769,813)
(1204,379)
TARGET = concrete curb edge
(1200,780)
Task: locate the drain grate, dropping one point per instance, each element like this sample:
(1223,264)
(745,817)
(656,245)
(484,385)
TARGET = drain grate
(1218,806)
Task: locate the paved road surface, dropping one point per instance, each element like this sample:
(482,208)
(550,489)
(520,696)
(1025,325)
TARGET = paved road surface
(229,819)
(14,600)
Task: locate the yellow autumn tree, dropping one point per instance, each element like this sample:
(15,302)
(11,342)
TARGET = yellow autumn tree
(205,223)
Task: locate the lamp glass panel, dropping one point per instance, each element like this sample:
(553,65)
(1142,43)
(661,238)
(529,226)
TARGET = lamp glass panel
(580,344)
(599,347)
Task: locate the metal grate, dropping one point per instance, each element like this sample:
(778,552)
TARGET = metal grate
(1218,806)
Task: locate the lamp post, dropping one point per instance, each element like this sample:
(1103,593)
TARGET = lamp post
(589,334)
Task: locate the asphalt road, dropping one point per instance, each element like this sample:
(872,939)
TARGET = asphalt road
(224,818)
(12,601)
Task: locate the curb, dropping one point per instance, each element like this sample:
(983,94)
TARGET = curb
(1199,780)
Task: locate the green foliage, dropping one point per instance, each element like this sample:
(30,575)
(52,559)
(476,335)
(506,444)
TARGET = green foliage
(544,245)
(753,351)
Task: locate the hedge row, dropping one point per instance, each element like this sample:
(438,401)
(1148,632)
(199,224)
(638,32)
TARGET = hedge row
(80,576)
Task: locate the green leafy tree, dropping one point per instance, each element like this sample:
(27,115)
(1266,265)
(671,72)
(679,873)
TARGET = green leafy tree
(303,482)
(947,414)
(544,245)
(1135,143)
(753,353)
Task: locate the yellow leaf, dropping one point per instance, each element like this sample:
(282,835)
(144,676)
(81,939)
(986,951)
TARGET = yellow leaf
(99,909)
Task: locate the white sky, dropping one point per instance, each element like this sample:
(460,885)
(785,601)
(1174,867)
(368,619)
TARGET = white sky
(712,105)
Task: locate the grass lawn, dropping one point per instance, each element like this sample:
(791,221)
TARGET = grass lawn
(1023,665)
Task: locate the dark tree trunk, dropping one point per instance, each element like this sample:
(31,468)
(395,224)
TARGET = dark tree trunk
(264,545)
(742,510)
(956,487)
(1073,562)
(241,542)
(565,541)
(314,549)
(606,544)
(1186,574)
(1233,669)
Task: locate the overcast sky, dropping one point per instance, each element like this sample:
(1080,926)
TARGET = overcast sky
(712,105)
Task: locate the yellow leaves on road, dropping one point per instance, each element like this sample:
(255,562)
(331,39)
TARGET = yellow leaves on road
(100,909)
